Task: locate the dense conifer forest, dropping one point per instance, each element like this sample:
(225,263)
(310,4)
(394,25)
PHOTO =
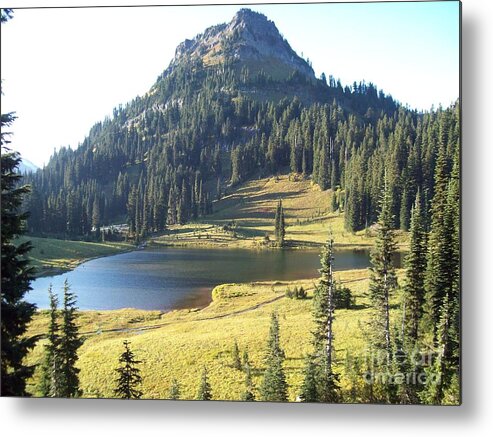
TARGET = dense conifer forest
(204,128)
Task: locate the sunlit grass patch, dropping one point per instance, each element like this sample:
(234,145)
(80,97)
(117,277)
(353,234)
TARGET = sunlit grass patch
(50,255)
(179,343)
(250,209)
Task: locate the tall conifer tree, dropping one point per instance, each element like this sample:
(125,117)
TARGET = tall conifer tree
(175,390)
(440,262)
(319,366)
(415,274)
(274,387)
(444,374)
(51,377)
(326,292)
(383,280)
(70,342)
(248,394)
(16,272)
(128,375)
(279,225)
(204,393)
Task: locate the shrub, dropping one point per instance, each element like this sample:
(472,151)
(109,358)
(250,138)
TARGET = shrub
(343,298)
(301,293)
(297,293)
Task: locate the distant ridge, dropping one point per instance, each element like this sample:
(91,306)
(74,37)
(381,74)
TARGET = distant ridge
(27,166)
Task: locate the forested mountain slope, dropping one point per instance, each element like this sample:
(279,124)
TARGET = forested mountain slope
(237,102)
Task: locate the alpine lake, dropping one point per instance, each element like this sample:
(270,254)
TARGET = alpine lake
(176,278)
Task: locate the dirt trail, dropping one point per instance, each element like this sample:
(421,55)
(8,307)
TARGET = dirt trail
(219,316)
(160,325)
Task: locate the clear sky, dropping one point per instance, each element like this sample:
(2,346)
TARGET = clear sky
(65,69)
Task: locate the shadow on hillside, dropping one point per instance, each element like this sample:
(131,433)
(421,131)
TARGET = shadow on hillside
(250,233)
(265,197)
(297,243)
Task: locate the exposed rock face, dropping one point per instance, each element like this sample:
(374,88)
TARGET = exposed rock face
(250,37)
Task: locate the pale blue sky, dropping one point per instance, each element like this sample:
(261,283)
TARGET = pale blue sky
(64,69)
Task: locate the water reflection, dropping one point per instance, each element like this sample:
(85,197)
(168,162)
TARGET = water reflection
(172,278)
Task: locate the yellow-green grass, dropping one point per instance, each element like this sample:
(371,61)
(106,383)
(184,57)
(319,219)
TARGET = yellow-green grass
(51,256)
(252,207)
(180,343)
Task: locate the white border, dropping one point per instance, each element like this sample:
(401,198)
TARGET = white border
(24,417)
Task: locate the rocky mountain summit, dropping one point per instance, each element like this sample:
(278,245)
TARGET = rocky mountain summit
(250,39)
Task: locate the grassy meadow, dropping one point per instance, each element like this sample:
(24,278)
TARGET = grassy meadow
(52,256)
(252,207)
(179,343)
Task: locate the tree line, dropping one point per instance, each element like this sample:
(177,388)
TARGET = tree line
(165,157)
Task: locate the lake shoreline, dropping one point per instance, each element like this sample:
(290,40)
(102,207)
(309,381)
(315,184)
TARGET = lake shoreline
(137,320)
(44,271)
(48,272)
(163,279)
(51,271)
(52,257)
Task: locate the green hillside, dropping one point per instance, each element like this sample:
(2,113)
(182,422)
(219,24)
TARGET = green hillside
(251,208)
(52,256)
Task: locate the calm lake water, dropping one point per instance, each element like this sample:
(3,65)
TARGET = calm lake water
(173,278)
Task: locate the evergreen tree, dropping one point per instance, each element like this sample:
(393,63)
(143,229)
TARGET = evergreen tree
(274,387)
(304,163)
(96,215)
(440,371)
(279,226)
(404,390)
(204,393)
(51,383)
(248,394)
(352,370)
(323,336)
(70,342)
(404,211)
(443,376)
(309,388)
(128,375)
(452,384)
(236,360)
(175,390)
(354,197)
(323,176)
(16,272)
(383,279)
(383,282)
(415,275)
(236,166)
(440,263)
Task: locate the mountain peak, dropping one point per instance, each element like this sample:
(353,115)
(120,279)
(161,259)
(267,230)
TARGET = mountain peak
(249,38)
(249,17)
